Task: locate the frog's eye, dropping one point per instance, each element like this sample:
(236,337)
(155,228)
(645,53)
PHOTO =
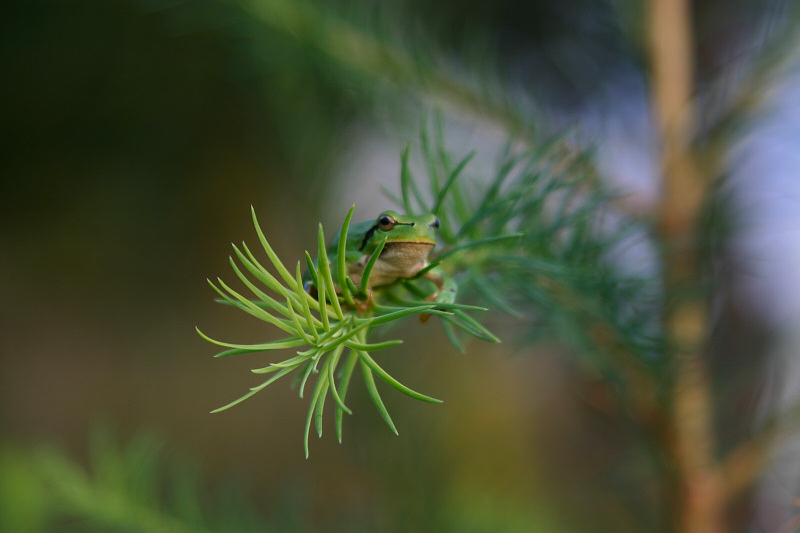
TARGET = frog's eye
(435,223)
(385,223)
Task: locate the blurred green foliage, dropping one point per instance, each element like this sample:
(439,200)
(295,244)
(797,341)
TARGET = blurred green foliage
(130,487)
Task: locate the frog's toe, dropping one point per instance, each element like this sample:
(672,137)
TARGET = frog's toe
(363,306)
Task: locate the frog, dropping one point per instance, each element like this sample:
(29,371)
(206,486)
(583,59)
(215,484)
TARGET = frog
(409,241)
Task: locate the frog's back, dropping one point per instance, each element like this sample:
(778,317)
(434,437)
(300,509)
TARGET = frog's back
(355,234)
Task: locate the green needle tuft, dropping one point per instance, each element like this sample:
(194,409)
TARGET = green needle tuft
(330,319)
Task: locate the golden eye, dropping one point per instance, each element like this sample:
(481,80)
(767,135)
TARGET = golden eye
(385,223)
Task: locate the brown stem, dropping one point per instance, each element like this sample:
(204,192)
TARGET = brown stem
(699,490)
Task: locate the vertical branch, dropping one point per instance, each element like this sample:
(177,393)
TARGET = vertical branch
(699,498)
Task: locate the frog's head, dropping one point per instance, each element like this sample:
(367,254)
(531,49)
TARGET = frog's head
(400,229)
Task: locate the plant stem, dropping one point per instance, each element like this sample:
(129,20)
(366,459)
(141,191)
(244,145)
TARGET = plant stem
(699,492)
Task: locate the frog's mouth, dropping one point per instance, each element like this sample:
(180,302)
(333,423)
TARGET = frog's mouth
(406,252)
(404,244)
(421,243)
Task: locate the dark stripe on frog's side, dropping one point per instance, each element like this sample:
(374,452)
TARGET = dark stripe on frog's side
(367,236)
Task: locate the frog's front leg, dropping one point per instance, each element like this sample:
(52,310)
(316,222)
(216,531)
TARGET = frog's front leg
(362,306)
(446,288)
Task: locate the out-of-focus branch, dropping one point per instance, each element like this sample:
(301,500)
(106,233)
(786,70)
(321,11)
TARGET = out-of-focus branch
(768,64)
(367,55)
(700,500)
(745,463)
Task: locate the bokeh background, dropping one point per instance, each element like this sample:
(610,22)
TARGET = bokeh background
(136,134)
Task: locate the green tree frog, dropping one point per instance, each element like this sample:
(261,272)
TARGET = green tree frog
(409,240)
